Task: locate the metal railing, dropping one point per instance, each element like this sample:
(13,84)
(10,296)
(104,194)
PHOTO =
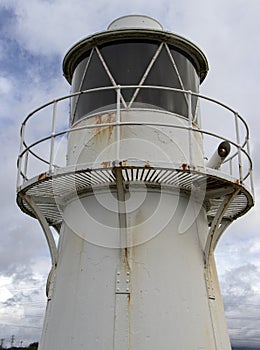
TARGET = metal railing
(239,159)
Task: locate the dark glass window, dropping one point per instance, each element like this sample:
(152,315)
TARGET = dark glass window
(127,62)
(79,74)
(164,74)
(77,81)
(96,76)
(188,74)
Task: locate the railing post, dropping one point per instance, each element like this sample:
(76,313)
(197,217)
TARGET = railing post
(26,164)
(190,116)
(250,171)
(118,97)
(239,149)
(53,127)
(19,164)
(231,167)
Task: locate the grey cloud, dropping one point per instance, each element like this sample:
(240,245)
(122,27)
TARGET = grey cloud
(242,302)
(237,282)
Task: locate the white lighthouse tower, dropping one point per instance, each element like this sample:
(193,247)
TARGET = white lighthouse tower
(138,207)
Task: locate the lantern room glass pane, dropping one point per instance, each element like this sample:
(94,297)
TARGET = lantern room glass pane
(127,62)
(163,74)
(95,76)
(188,75)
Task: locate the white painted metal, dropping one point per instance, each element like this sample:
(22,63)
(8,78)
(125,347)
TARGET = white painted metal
(135,21)
(168,298)
(46,230)
(219,156)
(215,226)
(135,266)
(147,143)
(135,230)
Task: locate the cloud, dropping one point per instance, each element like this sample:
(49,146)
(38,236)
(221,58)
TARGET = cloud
(50,27)
(242,303)
(5,85)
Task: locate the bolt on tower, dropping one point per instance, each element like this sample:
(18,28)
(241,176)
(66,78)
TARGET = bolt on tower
(138,207)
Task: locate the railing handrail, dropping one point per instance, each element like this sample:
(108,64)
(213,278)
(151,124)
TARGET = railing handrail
(26,149)
(71,130)
(156,87)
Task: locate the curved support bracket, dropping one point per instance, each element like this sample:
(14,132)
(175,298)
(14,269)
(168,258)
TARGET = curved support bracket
(218,226)
(46,229)
(222,227)
(50,282)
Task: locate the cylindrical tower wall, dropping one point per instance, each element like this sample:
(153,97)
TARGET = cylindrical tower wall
(167,305)
(148,143)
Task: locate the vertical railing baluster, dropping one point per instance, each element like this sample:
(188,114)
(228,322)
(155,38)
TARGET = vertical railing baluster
(26,164)
(53,127)
(239,149)
(190,128)
(250,171)
(118,96)
(19,165)
(231,167)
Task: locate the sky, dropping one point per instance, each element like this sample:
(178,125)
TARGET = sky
(34,37)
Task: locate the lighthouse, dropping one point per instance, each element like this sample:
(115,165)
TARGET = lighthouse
(138,200)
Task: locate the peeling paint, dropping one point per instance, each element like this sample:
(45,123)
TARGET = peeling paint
(123,163)
(105,119)
(185,166)
(42,176)
(105,164)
